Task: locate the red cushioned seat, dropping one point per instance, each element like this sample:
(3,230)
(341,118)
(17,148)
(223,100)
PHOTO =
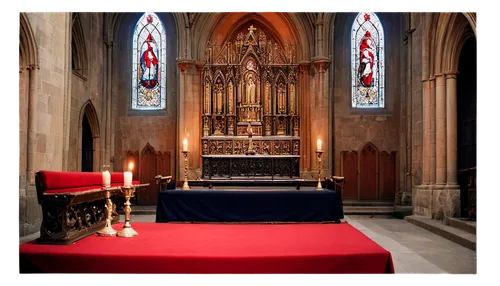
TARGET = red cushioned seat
(58,182)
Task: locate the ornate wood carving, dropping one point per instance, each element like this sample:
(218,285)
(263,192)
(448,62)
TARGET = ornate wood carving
(250,78)
(215,167)
(368,173)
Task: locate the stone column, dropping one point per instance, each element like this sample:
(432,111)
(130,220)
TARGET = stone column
(319,108)
(432,133)
(438,194)
(426,174)
(305,118)
(452,207)
(440,131)
(32,117)
(107,141)
(451,129)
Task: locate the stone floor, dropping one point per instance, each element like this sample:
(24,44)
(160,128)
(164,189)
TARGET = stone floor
(414,249)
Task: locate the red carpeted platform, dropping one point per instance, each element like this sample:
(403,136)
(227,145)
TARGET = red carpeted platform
(215,248)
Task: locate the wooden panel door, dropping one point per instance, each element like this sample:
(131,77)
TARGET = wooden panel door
(147,174)
(368,173)
(163,164)
(387,176)
(350,172)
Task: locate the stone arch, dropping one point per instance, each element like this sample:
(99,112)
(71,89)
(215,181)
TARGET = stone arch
(220,26)
(28,51)
(445,35)
(79,56)
(27,66)
(89,111)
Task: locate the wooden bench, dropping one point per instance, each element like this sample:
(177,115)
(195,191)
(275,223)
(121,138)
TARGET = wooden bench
(73,204)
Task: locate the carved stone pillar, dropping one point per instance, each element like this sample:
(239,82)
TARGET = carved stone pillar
(32,117)
(432,134)
(452,206)
(426,178)
(189,113)
(305,129)
(319,110)
(440,131)
(451,129)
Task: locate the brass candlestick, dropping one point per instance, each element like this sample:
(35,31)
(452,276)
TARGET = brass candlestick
(319,153)
(108,230)
(127,230)
(185,186)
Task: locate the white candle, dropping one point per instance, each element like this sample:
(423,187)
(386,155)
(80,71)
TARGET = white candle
(127,179)
(185,145)
(319,145)
(106,179)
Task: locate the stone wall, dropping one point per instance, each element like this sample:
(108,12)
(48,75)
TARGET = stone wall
(353,128)
(50,32)
(132,129)
(87,88)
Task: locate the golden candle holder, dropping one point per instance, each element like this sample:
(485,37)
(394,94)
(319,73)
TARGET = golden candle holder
(108,230)
(319,153)
(127,230)
(185,186)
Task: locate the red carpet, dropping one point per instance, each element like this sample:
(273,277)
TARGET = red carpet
(215,248)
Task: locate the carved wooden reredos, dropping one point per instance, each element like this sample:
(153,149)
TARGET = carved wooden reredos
(250,78)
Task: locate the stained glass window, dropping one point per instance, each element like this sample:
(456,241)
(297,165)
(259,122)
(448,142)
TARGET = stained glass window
(367,62)
(149,64)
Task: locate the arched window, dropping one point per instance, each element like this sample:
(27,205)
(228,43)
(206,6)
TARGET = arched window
(149,64)
(367,62)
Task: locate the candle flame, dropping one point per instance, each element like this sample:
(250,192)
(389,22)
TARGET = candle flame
(130,166)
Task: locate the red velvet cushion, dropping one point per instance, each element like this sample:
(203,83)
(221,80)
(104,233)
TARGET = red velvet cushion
(65,180)
(73,190)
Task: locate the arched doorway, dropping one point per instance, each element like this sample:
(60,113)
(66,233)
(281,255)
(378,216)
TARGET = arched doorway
(87,146)
(466,122)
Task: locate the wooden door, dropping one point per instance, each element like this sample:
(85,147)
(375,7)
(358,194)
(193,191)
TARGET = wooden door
(368,173)
(147,173)
(350,172)
(163,164)
(387,176)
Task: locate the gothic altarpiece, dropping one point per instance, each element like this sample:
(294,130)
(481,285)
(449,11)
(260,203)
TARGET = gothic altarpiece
(250,83)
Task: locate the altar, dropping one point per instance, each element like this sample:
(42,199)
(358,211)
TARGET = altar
(250,119)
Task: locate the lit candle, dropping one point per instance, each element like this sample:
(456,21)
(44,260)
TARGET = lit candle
(319,145)
(106,179)
(127,176)
(185,145)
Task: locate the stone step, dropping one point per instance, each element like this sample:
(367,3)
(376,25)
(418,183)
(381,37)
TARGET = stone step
(371,211)
(366,203)
(451,233)
(402,211)
(462,223)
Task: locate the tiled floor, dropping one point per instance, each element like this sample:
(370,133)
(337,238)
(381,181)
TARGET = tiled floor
(413,249)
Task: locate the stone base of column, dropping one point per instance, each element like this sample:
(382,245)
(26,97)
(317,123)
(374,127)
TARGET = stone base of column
(438,201)
(422,200)
(452,206)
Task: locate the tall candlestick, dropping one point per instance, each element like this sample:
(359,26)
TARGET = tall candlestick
(185,145)
(319,145)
